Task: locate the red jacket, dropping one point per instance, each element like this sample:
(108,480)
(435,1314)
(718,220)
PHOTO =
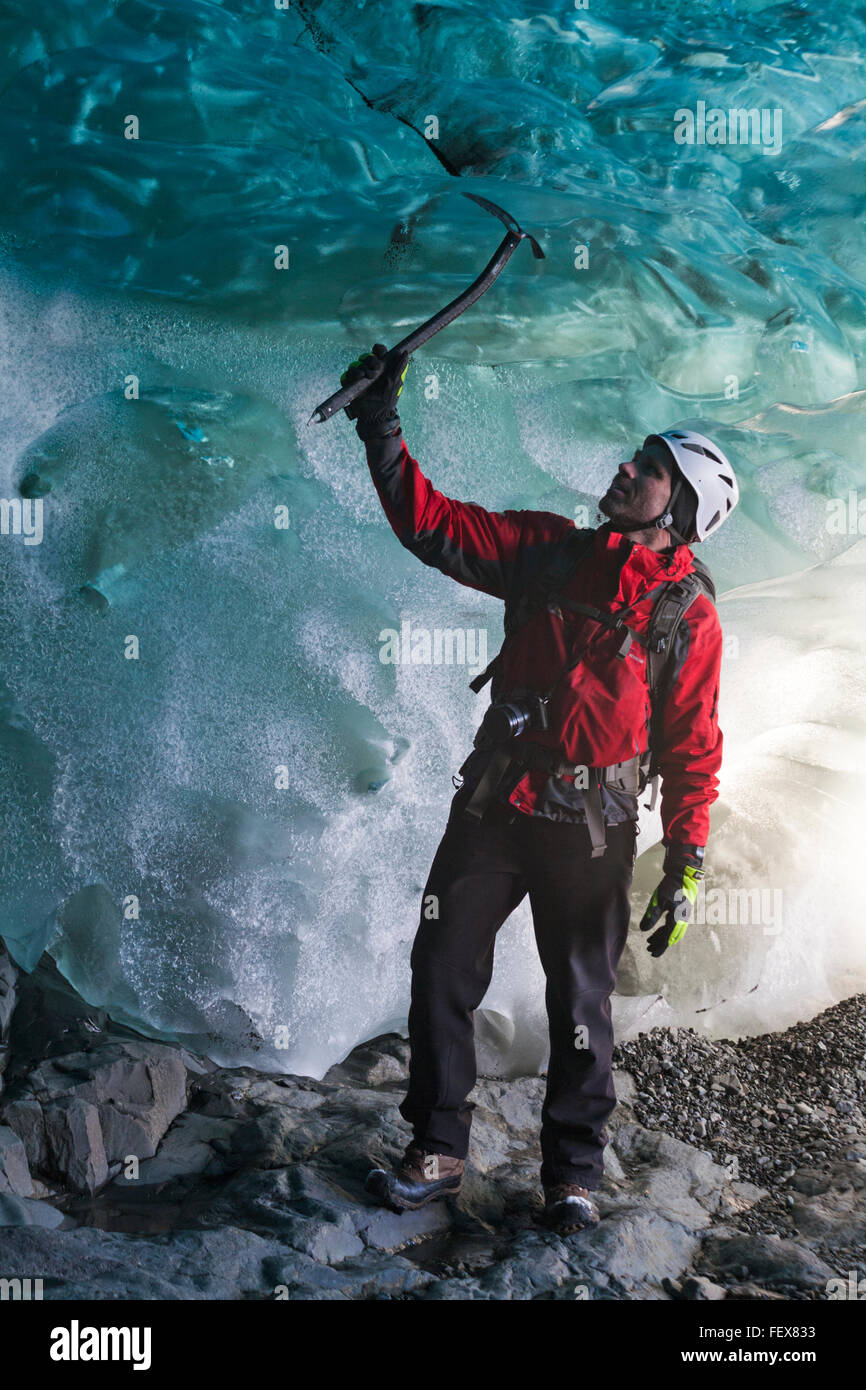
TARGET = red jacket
(601,712)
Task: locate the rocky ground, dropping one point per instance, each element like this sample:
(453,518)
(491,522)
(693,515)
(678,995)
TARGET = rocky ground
(132,1169)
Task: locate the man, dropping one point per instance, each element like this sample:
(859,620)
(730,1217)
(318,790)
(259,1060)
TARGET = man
(548,804)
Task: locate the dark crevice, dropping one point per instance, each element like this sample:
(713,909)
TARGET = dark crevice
(326,45)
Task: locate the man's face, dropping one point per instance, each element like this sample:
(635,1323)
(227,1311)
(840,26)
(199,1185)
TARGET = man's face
(642,487)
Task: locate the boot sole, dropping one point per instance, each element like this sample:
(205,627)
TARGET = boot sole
(380,1185)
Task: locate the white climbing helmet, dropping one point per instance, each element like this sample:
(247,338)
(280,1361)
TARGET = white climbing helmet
(705,468)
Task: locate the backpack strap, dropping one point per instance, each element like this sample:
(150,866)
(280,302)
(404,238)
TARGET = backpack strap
(567,555)
(614,622)
(668,612)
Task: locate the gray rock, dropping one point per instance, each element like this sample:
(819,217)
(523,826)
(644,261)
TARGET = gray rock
(492,1144)
(195,1146)
(697,1289)
(836,1219)
(19,1211)
(319,1217)
(537,1264)
(811,1182)
(75,1143)
(748,1192)
(613,1169)
(8,998)
(14,1170)
(375,1276)
(730,1083)
(753,1292)
(767,1259)
(273,1137)
(637,1244)
(454,1290)
(625,1087)
(185,1265)
(516,1104)
(97,1108)
(382,1061)
(385,1230)
(25,1117)
(674,1178)
(145,1082)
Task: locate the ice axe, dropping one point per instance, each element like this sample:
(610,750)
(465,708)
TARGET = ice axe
(494,267)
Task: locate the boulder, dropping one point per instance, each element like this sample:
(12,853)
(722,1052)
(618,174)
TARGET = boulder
(97,1108)
(19,1211)
(674,1178)
(766,1259)
(381,1061)
(75,1143)
(24,1116)
(195,1146)
(14,1170)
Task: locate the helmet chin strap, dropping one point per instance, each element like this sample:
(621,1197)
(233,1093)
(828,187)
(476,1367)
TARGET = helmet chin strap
(665,522)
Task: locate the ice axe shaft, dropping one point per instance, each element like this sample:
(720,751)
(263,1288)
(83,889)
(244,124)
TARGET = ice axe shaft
(493,268)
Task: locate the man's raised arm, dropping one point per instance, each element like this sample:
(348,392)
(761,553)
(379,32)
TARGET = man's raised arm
(476,547)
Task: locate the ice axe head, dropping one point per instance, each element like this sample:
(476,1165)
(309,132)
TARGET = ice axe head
(512,239)
(508,221)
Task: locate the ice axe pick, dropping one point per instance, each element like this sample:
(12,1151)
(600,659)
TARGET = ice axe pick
(493,268)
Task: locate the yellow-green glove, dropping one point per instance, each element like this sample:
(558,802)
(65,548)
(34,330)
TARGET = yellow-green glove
(376,410)
(674,899)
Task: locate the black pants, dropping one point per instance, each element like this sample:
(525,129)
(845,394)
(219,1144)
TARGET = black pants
(580,911)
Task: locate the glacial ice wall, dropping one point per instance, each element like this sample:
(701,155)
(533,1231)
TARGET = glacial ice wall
(220,805)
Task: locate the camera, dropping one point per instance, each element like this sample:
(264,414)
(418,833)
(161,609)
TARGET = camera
(507,718)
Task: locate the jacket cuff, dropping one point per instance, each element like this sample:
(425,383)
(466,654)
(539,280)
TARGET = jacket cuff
(678,856)
(383,450)
(377,428)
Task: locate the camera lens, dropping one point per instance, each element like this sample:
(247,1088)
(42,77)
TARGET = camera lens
(506,721)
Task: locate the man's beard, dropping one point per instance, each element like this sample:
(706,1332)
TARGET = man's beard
(619,516)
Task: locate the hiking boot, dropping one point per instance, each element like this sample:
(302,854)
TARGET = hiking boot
(422,1178)
(569,1208)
